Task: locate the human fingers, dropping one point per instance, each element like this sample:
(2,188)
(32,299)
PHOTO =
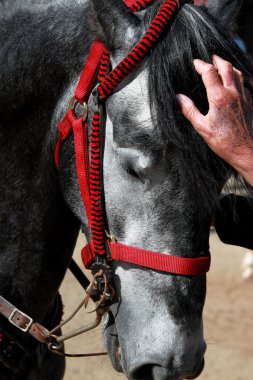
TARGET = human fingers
(248,96)
(210,77)
(191,112)
(239,77)
(225,70)
(231,77)
(200,3)
(240,83)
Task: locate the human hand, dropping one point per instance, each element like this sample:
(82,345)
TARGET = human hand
(195,2)
(230,118)
(200,2)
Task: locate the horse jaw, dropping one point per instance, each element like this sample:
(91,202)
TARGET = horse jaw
(146,328)
(143,331)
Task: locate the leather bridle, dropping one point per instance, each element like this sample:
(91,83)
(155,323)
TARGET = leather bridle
(97,255)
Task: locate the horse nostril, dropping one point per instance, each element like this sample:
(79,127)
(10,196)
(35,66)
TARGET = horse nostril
(170,373)
(151,371)
(157,372)
(161,373)
(143,373)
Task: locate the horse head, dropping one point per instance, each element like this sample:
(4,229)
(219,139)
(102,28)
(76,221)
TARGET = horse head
(161,185)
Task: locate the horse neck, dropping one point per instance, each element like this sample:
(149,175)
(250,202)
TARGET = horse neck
(38,232)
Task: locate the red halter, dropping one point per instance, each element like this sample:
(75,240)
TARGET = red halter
(88,170)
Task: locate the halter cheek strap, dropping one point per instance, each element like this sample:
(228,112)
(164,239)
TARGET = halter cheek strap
(89,166)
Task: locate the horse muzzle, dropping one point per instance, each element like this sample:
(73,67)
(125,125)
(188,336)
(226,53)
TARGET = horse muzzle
(150,369)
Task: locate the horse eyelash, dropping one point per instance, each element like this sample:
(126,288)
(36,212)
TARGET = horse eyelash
(131,172)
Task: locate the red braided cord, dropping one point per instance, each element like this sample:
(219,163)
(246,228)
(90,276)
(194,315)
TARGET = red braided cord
(138,5)
(97,65)
(90,72)
(97,225)
(104,64)
(97,219)
(140,51)
(89,175)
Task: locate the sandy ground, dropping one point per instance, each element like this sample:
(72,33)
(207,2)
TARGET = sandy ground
(228,319)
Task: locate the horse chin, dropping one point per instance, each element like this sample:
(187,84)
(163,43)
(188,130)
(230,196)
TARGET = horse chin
(111,342)
(198,371)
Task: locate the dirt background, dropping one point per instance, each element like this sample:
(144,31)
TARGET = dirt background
(228,320)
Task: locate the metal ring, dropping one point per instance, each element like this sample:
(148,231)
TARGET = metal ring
(74,102)
(54,345)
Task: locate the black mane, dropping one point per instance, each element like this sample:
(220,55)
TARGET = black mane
(194,34)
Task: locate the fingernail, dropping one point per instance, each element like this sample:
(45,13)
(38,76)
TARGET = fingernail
(214,60)
(180,97)
(196,61)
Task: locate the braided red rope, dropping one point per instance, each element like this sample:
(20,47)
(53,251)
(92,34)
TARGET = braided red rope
(88,173)
(107,84)
(138,5)
(97,219)
(140,51)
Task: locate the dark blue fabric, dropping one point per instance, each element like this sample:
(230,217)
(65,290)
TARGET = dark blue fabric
(234,220)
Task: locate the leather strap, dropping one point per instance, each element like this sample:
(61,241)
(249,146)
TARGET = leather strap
(53,341)
(23,322)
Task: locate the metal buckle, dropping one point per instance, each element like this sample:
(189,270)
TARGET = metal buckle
(28,324)
(109,239)
(72,106)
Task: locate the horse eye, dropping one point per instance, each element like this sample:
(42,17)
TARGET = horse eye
(131,172)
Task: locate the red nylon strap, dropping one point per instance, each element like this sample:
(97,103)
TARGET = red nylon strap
(89,75)
(80,130)
(64,130)
(82,92)
(88,256)
(89,178)
(89,172)
(153,260)
(159,261)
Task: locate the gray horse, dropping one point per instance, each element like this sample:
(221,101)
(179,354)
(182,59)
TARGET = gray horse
(161,181)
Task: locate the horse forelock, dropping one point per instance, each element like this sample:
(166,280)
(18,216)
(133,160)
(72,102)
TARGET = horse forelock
(194,34)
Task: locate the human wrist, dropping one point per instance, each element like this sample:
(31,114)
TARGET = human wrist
(247,175)
(245,169)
